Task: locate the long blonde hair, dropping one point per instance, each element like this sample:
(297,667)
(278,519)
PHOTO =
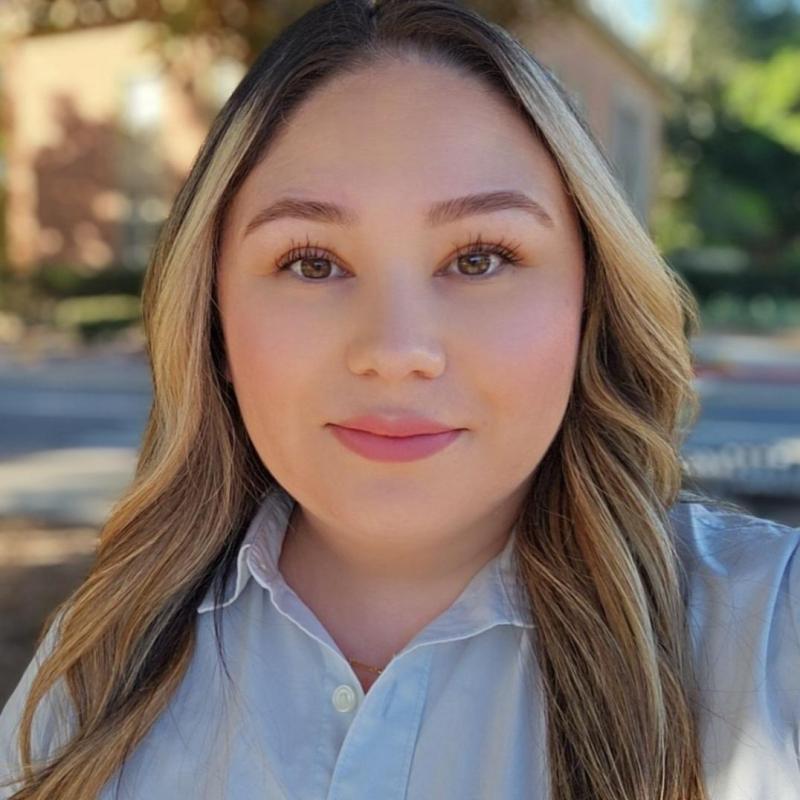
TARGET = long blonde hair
(595,551)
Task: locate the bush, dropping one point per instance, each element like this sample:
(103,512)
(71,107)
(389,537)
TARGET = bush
(713,270)
(759,313)
(98,316)
(63,280)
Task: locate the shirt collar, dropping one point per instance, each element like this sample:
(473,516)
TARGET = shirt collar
(492,597)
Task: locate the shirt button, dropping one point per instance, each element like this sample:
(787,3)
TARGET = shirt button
(344,698)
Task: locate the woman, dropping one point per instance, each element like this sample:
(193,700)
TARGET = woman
(510,597)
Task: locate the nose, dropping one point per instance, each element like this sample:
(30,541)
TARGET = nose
(397,332)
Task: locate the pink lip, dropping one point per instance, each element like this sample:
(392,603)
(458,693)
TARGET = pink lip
(393,448)
(396,424)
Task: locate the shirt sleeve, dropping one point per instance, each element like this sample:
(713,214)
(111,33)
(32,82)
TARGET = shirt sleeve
(794,611)
(743,604)
(52,719)
(783,649)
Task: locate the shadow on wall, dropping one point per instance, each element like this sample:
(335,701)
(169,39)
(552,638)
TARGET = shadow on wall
(102,191)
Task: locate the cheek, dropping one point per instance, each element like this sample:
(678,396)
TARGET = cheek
(528,357)
(540,351)
(271,344)
(271,353)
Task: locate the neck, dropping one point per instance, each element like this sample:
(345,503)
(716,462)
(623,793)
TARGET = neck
(362,565)
(374,598)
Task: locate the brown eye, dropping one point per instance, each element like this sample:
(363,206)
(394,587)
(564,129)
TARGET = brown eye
(312,264)
(474,261)
(312,268)
(478,264)
(475,258)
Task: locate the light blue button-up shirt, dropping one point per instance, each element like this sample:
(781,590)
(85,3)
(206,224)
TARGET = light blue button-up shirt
(458,712)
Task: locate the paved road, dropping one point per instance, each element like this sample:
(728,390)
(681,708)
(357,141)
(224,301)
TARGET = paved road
(746,412)
(101,401)
(747,438)
(70,427)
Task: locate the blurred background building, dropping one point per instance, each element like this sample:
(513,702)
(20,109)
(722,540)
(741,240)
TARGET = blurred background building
(104,104)
(100,128)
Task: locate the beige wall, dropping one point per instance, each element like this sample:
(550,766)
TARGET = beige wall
(615,94)
(79,105)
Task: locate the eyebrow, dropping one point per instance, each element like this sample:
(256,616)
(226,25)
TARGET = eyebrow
(438,213)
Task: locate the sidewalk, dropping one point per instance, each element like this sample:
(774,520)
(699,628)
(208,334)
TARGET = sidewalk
(749,358)
(71,485)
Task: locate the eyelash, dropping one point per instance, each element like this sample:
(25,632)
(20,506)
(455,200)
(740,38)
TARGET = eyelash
(508,251)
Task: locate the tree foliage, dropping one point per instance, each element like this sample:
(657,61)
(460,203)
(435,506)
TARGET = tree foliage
(731,181)
(236,27)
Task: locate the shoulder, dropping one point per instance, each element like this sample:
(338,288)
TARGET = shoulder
(739,566)
(743,617)
(734,545)
(743,603)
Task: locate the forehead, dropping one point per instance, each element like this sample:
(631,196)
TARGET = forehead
(405,133)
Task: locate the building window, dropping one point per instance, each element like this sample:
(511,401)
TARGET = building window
(141,170)
(629,154)
(142,103)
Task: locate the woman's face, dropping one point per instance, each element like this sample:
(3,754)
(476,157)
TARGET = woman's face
(383,314)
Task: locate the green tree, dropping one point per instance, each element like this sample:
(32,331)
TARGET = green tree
(731,181)
(765,94)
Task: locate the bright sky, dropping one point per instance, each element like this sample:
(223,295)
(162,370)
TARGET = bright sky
(635,18)
(631,18)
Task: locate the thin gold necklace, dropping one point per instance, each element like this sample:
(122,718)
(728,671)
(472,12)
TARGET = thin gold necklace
(376,670)
(366,666)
